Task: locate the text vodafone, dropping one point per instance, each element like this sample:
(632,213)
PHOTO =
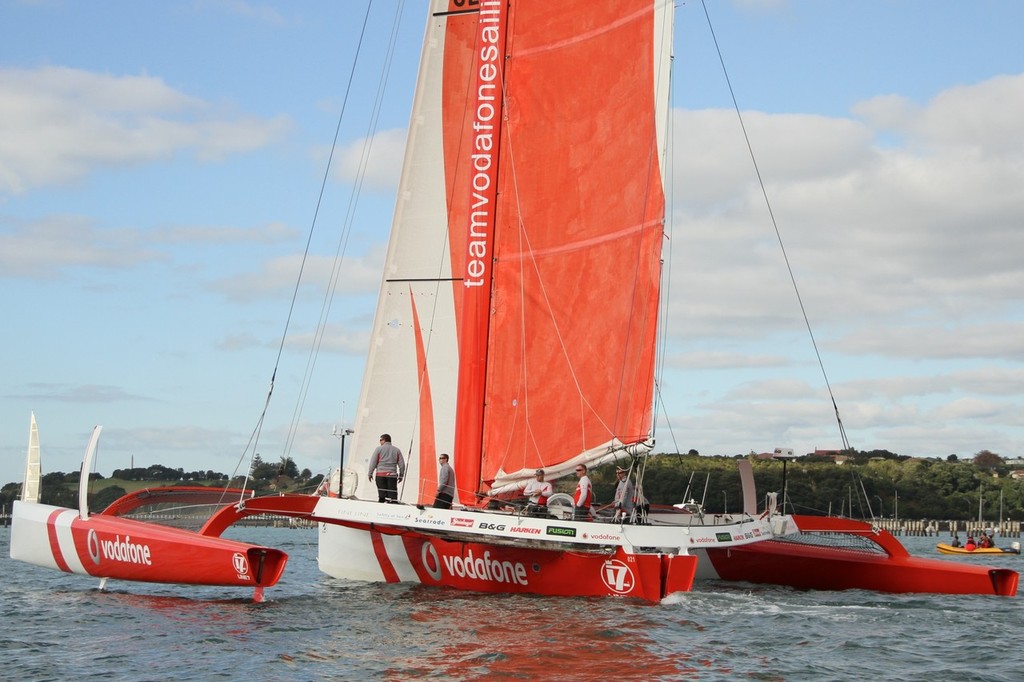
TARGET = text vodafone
(485,568)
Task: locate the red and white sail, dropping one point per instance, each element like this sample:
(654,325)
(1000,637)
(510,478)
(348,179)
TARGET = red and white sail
(516,323)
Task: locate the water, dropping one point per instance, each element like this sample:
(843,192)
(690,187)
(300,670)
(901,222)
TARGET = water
(59,626)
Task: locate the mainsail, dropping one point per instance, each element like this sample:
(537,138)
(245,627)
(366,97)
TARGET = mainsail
(516,324)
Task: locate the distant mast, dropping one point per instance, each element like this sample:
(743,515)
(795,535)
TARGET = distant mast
(30,485)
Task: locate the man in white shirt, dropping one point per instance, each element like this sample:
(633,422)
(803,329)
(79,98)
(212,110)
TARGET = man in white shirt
(538,490)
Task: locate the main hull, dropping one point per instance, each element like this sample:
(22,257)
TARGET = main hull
(490,551)
(365,553)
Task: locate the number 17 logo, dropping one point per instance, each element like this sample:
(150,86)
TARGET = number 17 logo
(617,576)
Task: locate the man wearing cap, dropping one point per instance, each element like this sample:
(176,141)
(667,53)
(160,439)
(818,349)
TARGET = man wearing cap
(538,490)
(623,494)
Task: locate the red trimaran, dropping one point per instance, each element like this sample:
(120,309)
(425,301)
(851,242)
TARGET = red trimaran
(516,329)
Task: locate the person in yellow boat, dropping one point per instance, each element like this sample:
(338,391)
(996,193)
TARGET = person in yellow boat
(970,546)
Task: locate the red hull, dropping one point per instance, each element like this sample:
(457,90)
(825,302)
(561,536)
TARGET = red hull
(123,549)
(815,567)
(399,553)
(484,567)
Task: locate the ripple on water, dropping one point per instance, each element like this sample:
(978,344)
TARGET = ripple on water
(60,627)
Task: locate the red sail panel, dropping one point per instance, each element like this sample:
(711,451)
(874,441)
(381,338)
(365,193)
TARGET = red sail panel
(576,276)
(483,113)
(460,43)
(428,438)
(571,314)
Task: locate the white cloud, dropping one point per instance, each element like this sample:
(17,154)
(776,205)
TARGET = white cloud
(375,163)
(61,124)
(874,233)
(278,275)
(41,249)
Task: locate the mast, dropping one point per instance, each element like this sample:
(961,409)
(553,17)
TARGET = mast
(482,189)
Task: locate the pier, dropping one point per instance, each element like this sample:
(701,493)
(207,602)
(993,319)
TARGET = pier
(930,528)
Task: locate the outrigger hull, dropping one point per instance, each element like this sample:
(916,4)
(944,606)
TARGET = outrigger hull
(822,556)
(111,547)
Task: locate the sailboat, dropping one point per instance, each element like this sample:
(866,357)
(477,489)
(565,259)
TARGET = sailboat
(517,317)
(516,331)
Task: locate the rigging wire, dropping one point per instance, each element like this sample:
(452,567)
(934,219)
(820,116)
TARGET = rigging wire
(254,437)
(778,233)
(328,300)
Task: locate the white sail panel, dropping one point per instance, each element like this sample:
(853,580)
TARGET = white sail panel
(413,344)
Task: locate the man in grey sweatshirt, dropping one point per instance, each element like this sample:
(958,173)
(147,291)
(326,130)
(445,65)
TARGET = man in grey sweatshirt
(389,464)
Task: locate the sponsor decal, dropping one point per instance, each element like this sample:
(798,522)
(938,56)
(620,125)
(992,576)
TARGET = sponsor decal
(241,565)
(603,536)
(491,526)
(93,544)
(391,516)
(483,568)
(124,551)
(723,537)
(429,522)
(705,541)
(562,531)
(459,522)
(617,576)
(431,562)
(525,530)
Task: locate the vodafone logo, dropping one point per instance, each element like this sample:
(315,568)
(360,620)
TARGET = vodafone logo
(471,566)
(93,544)
(617,576)
(431,562)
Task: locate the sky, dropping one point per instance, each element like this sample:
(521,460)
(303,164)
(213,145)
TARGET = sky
(162,165)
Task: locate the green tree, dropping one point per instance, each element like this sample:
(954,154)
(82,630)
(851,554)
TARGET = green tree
(103,499)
